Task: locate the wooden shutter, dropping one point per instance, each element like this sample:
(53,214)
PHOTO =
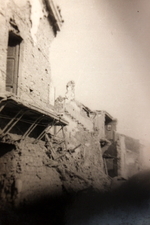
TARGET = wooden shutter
(12,66)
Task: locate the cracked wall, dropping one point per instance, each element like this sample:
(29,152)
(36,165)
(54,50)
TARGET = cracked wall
(29,19)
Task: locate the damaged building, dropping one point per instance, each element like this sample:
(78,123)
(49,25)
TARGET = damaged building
(116,155)
(48,146)
(40,154)
(27,99)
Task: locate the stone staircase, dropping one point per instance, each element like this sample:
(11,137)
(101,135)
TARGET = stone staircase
(86,123)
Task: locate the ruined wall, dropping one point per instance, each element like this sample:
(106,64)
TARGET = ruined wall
(84,164)
(86,161)
(129,154)
(38,179)
(30,172)
(66,159)
(73,110)
(32,25)
(24,174)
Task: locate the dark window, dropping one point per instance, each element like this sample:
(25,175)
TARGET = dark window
(12,62)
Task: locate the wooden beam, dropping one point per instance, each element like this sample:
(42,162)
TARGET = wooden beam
(32,127)
(22,112)
(64,136)
(43,132)
(3,106)
(12,122)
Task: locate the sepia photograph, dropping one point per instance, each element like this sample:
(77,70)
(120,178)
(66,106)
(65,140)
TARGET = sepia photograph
(75,112)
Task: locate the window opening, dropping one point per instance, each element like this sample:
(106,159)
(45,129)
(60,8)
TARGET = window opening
(12,62)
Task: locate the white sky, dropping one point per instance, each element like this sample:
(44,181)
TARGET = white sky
(104,46)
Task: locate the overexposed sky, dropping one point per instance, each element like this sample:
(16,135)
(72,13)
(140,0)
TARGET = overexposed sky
(104,46)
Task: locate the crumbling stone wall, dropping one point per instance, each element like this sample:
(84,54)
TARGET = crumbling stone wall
(52,166)
(29,172)
(38,179)
(85,164)
(34,73)
(82,167)
(26,174)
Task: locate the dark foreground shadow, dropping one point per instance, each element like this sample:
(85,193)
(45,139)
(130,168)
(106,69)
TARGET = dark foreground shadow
(128,204)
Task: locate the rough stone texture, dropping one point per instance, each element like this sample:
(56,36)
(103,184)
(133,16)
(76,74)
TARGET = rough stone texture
(68,162)
(3,50)
(83,168)
(29,172)
(38,180)
(34,64)
(24,175)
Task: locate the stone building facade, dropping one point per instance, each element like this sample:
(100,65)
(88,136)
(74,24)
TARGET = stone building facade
(28,28)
